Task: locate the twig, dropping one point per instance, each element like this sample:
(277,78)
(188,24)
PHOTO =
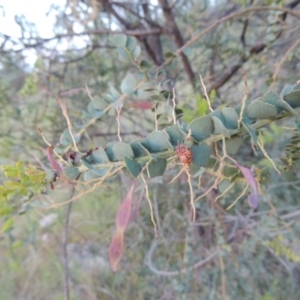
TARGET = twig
(197,36)
(174,106)
(239,197)
(150,206)
(187,172)
(49,144)
(119,109)
(265,153)
(65,113)
(205,94)
(243,102)
(284,58)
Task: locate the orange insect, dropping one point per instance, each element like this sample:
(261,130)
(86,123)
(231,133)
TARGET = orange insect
(184,154)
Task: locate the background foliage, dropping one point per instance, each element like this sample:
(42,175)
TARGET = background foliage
(112,69)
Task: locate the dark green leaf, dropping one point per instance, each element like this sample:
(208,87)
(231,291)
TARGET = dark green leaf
(157,168)
(99,156)
(170,55)
(94,173)
(176,135)
(132,166)
(285,106)
(145,65)
(71,173)
(116,151)
(252,133)
(201,128)
(201,154)
(158,141)
(217,113)
(138,149)
(219,127)
(230,118)
(233,145)
(258,110)
(293,98)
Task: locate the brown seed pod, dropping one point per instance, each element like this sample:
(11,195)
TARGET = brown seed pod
(184,154)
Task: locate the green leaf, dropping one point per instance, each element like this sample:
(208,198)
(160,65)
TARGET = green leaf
(252,133)
(114,93)
(131,43)
(258,110)
(94,174)
(71,172)
(217,113)
(296,87)
(13,185)
(245,118)
(132,166)
(287,89)
(3,189)
(10,172)
(201,154)
(157,168)
(220,128)
(157,97)
(230,118)
(230,171)
(123,55)
(50,176)
(128,84)
(170,55)
(168,110)
(25,180)
(158,141)
(99,156)
(176,135)
(270,97)
(233,145)
(293,98)
(145,65)
(8,225)
(116,151)
(95,113)
(138,149)
(99,103)
(119,40)
(285,106)
(137,51)
(201,128)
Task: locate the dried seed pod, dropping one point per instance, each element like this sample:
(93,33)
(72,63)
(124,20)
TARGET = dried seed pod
(184,154)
